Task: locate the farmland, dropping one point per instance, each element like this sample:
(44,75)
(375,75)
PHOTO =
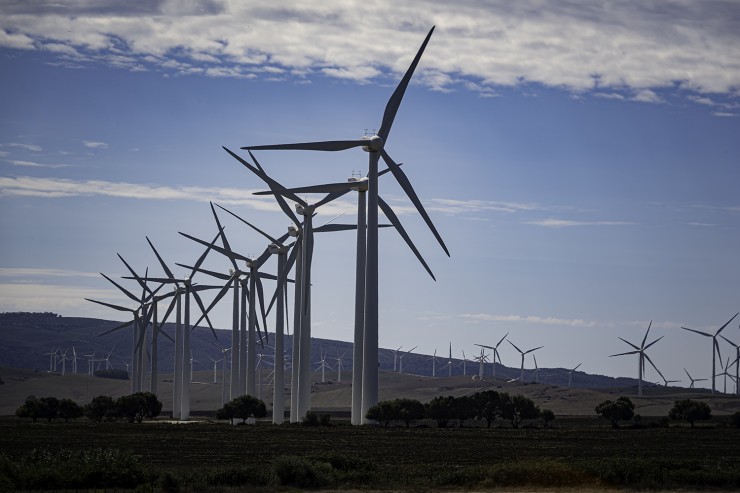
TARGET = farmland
(580,452)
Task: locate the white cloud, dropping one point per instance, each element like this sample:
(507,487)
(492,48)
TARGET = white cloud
(69,300)
(724,114)
(623,46)
(32,272)
(564,223)
(33,164)
(28,147)
(532,319)
(646,96)
(92,144)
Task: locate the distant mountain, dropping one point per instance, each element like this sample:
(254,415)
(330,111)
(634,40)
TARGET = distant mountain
(27,339)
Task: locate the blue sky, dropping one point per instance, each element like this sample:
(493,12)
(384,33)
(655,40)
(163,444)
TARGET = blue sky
(580,161)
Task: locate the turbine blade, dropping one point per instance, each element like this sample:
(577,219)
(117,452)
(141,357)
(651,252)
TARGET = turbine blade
(656,340)
(270,183)
(205,253)
(325,188)
(330,145)
(202,309)
(125,324)
(307,270)
(522,352)
(628,342)
(646,334)
(284,274)
(109,305)
(167,336)
(622,354)
(391,108)
(220,250)
(122,289)
(535,349)
(653,365)
(138,279)
(218,275)
(394,220)
(697,331)
(716,348)
(483,345)
(161,262)
(326,228)
(728,323)
(224,240)
(330,197)
(173,303)
(215,301)
(273,240)
(261,298)
(406,185)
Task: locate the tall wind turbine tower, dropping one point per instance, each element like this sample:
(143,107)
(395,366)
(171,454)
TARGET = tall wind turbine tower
(375,146)
(715,346)
(642,357)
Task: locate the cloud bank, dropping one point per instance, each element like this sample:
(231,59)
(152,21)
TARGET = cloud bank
(623,49)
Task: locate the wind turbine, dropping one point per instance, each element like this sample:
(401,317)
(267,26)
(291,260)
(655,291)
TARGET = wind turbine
(642,356)
(277,247)
(400,360)
(215,367)
(737,363)
(666,381)
(464,363)
(536,370)
(570,374)
(715,345)
(395,358)
(523,353)
(693,380)
(184,286)
(496,355)
(374,145)
(322,366)
(725,373)
(481,361)
(434,363)
(340,367)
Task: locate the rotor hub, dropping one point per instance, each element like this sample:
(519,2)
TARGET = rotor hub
(375,143)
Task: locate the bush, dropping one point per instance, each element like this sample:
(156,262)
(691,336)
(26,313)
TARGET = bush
(243,407)
(735,419)
(69,409)
(302,473)
(547,416)
(620,410)
(311,419)
(101,408)
(520,408)
(441,409)
(325,419)
(139,406)
(688,410)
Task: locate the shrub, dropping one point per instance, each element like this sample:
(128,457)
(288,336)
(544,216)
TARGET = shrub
(620,410)
(139,406)
(487,405)
(441,409)
(69,409)
(101,408)
(688,410)
(735,419)
(520,408)
(547,416)
(325,419)
(243,407)
(310,419)
(302,473)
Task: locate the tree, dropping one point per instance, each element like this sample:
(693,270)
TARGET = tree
(463,408)
(101,408)
(382,412)
(688,410)
(69,409)
(519,408)
(49,407)
(407,410)
(735,419)
(138,406)
(31,408)
(243,407)
(620,410)
(441,410)
(547,416)
(487,405)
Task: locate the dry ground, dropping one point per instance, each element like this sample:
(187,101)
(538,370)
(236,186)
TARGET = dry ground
(333,396)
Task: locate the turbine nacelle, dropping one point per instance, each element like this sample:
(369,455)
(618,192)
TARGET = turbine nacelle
(361,184)
(293,231)
(276,249)
(375,143)
(306,210)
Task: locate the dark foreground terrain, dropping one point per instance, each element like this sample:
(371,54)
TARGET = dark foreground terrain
(580,453)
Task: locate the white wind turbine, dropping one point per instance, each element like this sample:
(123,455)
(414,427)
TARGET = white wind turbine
(694,380)
(737,364)
(536,370)
(395,358)
(464,363)
(340,367)
(725,373)
(215,368)
(434,363)
(666,381)
(642,357)
(496,355)
(374,145)
(715,345)
(400,359)
(481,361)
(334,191)
(523,353)
(570,375)
(323,365)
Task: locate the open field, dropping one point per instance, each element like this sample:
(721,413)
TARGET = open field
(336,397)
(580,453)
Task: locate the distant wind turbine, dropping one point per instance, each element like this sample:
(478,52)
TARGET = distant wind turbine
(642,356)
(715,346)
(523,353)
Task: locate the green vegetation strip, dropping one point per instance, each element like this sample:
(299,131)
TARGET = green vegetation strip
(159,456)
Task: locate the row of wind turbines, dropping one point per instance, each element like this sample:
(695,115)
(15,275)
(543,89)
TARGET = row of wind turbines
(246,284)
